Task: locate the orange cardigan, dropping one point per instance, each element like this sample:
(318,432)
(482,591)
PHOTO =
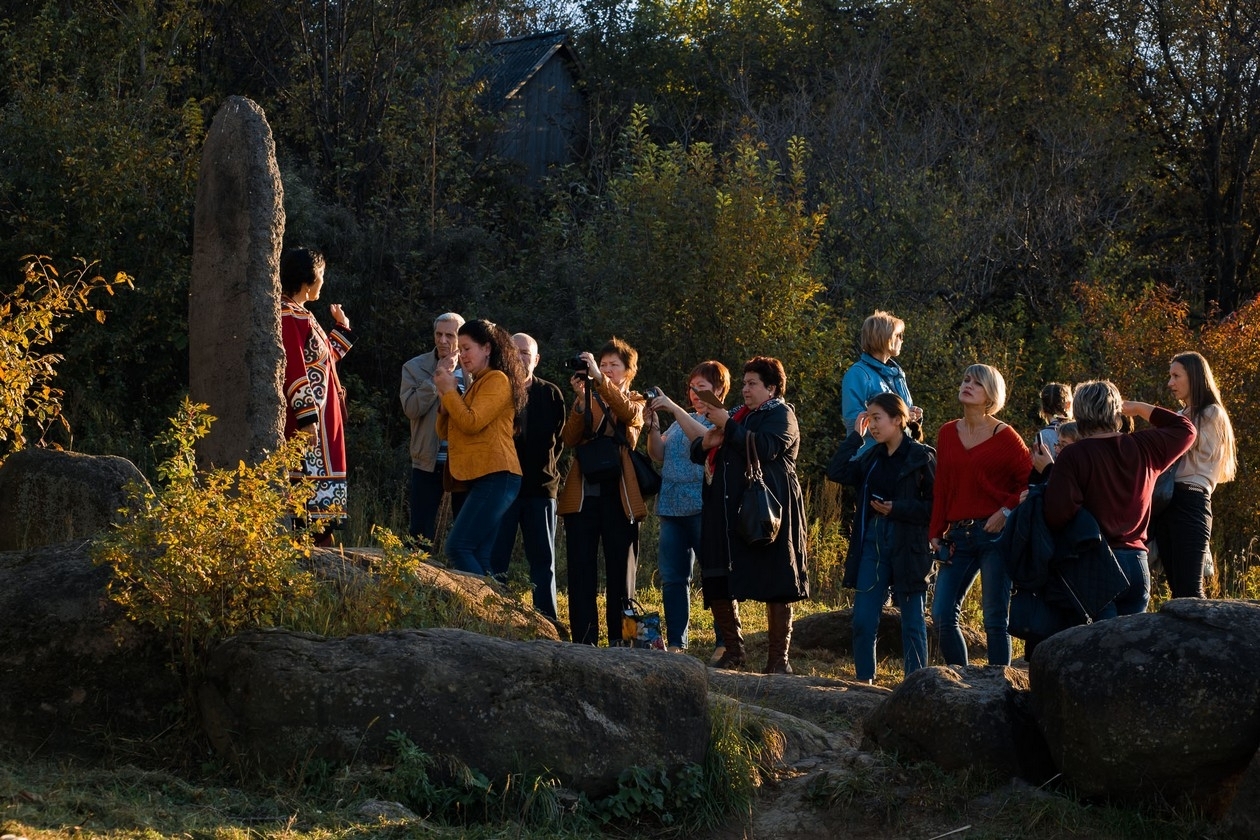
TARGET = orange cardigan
(627,407)
(478,428)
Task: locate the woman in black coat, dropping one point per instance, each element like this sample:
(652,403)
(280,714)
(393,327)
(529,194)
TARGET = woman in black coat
(888,548)
(732,570)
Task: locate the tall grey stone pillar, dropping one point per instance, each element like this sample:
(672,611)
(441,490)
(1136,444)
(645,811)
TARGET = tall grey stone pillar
(236,359)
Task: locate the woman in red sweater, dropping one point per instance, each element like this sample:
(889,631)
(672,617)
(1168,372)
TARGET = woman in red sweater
(982,468)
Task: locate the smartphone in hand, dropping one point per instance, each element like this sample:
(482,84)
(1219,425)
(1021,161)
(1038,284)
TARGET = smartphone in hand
(709,397)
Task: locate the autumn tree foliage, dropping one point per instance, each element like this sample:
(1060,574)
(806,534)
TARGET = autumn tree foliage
(41,306)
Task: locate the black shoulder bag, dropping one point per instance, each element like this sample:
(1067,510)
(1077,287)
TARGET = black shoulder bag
(760,513)
(599,456)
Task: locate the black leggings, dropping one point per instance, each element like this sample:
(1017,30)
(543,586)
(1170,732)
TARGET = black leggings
(1183,532)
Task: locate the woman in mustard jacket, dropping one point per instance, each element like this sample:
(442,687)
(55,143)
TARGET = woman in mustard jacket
(478,427)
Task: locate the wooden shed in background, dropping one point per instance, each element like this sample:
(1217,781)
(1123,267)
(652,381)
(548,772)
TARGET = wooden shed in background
(532,81)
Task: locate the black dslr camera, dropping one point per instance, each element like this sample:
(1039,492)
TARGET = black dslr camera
(578,365)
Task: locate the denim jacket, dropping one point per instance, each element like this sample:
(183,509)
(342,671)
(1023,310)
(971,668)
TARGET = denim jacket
(867,377)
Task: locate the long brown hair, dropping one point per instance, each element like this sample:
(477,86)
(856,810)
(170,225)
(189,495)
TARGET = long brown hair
(1203,395)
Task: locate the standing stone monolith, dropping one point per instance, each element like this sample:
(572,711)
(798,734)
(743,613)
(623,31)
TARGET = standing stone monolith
(236,360)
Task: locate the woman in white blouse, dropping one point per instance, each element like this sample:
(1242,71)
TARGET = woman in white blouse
(1184,529)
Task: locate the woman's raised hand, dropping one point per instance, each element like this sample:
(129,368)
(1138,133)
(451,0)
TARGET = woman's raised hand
(862,423)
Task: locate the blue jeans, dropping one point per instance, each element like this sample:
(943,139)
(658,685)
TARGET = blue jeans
(1137,597)
(471,539)
(873,583)
(975,553)
(536,516)
(676,553)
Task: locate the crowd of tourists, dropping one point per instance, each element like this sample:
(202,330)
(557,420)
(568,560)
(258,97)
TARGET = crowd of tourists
(488,434)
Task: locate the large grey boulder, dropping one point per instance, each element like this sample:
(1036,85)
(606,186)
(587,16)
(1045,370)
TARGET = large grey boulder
(235,356)
(1159,707)
(580,714)
(77,675)
(1242,818)
(48,496)
(963,718)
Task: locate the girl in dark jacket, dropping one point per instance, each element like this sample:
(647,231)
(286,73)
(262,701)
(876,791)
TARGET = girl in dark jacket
(732,570)
(888,548)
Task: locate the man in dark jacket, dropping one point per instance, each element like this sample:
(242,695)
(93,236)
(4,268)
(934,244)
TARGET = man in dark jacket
(538,448)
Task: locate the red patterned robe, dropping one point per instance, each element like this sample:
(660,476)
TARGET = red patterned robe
(312,391)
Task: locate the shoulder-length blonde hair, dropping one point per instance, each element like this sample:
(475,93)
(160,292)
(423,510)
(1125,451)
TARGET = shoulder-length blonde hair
(990,378)
(877,332)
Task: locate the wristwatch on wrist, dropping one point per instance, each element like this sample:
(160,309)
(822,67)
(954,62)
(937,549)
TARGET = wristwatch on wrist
(1006,511)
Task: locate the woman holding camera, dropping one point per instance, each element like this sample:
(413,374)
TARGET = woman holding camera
(732,569)
(678,506)
(600,500)
(479,426)
(1184,529)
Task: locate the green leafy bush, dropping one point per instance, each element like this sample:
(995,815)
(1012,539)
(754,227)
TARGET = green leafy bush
(209,554)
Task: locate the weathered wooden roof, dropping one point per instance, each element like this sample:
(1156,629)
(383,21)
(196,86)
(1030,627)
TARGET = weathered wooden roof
(512,62)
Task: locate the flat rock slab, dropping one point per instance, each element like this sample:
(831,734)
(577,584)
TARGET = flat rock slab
(834,705)
(577,713)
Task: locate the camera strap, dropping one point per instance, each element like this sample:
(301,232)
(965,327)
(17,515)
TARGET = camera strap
(591,434)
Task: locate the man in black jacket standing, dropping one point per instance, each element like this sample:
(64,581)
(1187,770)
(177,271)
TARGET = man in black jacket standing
(538,447)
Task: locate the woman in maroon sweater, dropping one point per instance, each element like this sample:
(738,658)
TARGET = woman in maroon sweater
(982,468)
(1112,475)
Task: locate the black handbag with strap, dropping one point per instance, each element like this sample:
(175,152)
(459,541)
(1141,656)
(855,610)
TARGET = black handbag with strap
(645,474)
(599,455)
(760,513)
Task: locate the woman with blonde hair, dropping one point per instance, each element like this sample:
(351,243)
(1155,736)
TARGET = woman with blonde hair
(1184,529)
(876,371)
(982,468)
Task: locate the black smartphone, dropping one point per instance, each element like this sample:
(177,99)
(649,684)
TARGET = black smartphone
(875,497)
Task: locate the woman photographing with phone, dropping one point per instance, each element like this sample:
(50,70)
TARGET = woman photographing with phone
(479,426)
(888,547)
(732,569)
(679,503)
(1184,529)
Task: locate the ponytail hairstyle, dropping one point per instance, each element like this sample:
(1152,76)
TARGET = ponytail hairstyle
(1056,401)
(503,356)
(892,405)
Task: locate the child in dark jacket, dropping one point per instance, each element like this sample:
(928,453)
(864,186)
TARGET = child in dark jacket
(888,549)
